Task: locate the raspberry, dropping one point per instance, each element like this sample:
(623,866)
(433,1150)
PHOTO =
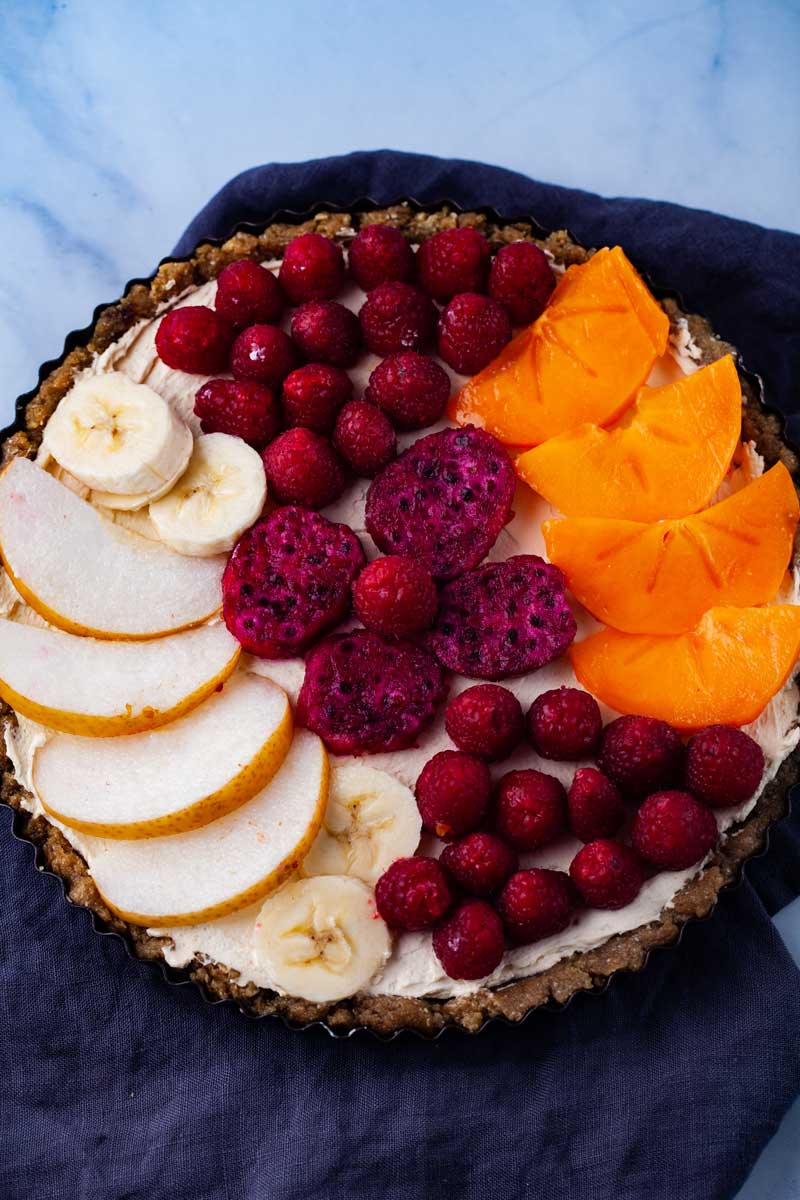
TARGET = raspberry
(485,720)
(312,268)
(248,294)
(395,596)
(480,863)
(521,279)
(313,395)
(264,353)
(723,766)
(397,316)
(303,468)
(380,254)
(327,332)
(411,389)
(565,724)
(607,874)
(536,904)
(412,894)
(641,755)
(453,260)
(530,809)
(240,407)
(473,330)
(469,943)
(673,830)
(596,809)
(452,793)
(365,438)
(194,339)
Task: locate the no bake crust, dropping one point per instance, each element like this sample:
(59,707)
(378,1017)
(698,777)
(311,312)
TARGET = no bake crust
(386,1015)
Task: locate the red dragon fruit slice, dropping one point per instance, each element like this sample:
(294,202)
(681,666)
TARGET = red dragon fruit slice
(364,693)
(503,619)
(443,501)
(288,581)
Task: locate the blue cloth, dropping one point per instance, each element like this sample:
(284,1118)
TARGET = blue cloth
(666,1087)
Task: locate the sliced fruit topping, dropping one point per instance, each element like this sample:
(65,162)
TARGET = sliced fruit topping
(177,778)
(221,493)
(536,904)
(485,720)
(239,407)
(673,831)
(473,329)
(395,596)
(190,878)
(503,619)
(469,943)
(248,294)
(443,501)
(725,670)
(530,809)
(288,581)
(724,766)
(397,316)
(103,689)
(565,724)
(364,693)
(453,260)
(371,820)
(380,254)
(364,438)
(661,578)
(453,792)
(411,388)
(480,863)
(327,332)
(195,339)
(322,939)
(521,279)
(312,268)
(303,468)
(607,874)
(583,360)
(52,543)
(666,458)
(413,894)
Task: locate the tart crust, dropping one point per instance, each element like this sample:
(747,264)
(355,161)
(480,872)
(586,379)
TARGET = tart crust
(386,1015)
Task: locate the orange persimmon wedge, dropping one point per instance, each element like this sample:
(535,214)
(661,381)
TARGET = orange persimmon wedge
(583,360)
(661,578)
(725,671)
(665,458)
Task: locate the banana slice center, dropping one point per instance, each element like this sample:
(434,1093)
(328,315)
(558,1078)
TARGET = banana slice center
(319,939)
(357,827)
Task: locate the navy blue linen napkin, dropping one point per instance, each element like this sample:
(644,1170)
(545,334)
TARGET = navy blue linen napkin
(666,1087)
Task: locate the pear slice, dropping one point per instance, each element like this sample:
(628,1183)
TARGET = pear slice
(84,574)
(190,878)
(181,777)
(103,689)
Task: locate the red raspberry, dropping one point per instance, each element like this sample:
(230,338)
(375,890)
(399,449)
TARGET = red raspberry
(327,332)
(454,260)
(530,809)
(673,830)
(723,766)
(521,279)
(240,407)
(453,792)
(473,330)
(395,596)
(248,294)
(380,254)
(264,353)
(565,724)
(480,863)
(411,389)
(397,316)
(313,395)
(469,943)
(485,720)
(365,438)
(303,468)
(536,904)
(607,874)
(194,339)
(312,268)
(412,894)
(641,755)
(596,809)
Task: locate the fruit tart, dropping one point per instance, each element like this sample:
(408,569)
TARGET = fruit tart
(398,621)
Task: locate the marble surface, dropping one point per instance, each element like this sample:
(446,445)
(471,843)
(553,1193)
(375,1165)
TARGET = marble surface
(118,121)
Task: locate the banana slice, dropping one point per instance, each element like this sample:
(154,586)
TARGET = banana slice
(140,499)
(221,493)
(118,436)
(321,939)
(370,820)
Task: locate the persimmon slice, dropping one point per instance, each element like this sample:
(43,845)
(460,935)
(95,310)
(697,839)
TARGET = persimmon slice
(661,578)
(665,458)
(725,671)
(583,360)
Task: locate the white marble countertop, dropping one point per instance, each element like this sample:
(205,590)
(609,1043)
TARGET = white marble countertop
(117,122)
